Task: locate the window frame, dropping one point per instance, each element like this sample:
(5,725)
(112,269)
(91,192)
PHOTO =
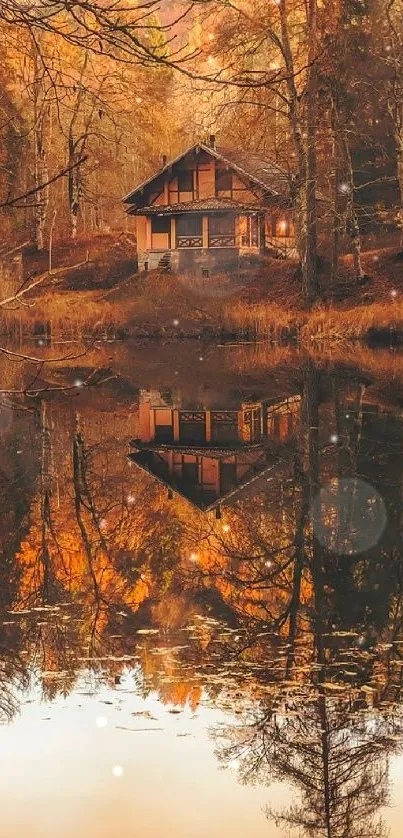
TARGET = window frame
(163,221)
(221,172)
(183,187)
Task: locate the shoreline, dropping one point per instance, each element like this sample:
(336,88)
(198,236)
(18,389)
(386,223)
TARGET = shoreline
(82,316)
(106,299)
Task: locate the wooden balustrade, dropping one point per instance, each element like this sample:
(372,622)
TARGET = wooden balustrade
(222,240)
(189,241)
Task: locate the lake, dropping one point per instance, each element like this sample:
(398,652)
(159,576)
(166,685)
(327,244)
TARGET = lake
(201,595)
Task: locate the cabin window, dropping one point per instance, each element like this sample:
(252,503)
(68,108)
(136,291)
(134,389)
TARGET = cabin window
(164,433)
(185,182)
(163,428)
(228,476)
(252,425)
(283,227)
(192,427)
(222,231)
(189,231)
(224,426)
(190,470)
(223,182)
(160,224)
(250,231)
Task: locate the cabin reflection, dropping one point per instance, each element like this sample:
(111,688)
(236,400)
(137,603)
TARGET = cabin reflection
(208,455)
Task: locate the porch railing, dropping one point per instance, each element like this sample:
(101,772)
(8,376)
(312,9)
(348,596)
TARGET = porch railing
(222,241)
(189,241)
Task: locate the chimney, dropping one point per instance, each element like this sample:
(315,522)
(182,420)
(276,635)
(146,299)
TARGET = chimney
(164,161)
(212,140)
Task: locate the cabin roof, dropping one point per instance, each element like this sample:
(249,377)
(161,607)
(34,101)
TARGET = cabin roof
(256,167)
(204,205)
(216,452)
(199,498)
(250,164)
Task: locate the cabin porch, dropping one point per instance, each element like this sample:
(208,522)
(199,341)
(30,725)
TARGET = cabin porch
(208,242)
(198,241)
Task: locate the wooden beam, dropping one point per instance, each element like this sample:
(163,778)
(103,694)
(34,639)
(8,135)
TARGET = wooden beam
(205,230)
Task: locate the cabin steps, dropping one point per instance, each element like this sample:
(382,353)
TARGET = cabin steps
(164,263)
(155,260)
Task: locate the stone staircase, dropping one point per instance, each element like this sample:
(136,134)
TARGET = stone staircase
(164,263)
(155,260)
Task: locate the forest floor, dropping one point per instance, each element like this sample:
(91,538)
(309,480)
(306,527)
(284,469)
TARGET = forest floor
(93,289)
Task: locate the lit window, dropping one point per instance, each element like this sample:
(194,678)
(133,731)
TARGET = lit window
(282,227)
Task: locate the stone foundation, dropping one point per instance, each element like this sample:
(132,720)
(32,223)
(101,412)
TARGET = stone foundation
(199,261)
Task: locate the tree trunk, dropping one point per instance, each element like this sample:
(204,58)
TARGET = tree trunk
(310,274)
(337,209)
(398,120)
(73,190)
(40,163)
(303,121)
(353,227)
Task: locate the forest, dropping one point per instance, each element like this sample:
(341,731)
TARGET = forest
(106,578)
(201,481)
(93,94)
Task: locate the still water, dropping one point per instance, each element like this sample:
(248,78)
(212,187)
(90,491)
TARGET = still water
(201,593)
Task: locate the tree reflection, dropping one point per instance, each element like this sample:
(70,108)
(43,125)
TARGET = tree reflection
(318,733)
(336,760)
(102,572)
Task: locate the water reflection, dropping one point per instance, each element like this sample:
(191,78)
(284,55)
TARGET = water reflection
(189,577)
(211,452)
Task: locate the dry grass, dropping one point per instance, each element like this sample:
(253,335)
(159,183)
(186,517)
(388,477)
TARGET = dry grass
(348,324)
(153,307)
(158,305)
(65,314)
(268,320)
(272,305)
(110,259)
(262,320)
(384,367)
(264,303)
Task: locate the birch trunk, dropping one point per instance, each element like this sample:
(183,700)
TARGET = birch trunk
(336,198)
(73,191)
(76,142)
(40,158)
(353,227)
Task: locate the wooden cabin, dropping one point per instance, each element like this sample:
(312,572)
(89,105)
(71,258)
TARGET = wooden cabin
(208,455)
(209,208)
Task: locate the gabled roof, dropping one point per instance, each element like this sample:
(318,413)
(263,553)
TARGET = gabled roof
(147,460)
(203,205)
(215,452)
(264,172)
(248,164)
